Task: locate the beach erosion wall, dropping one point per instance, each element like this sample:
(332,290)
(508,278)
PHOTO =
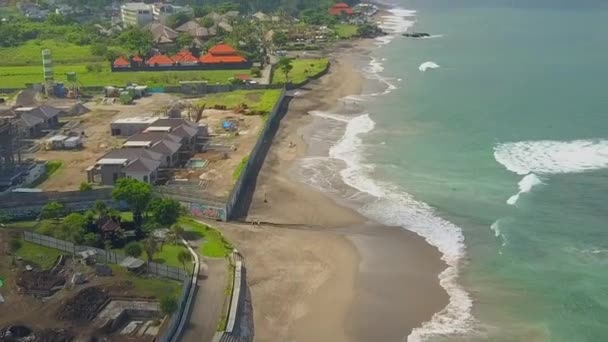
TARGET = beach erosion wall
(242,193)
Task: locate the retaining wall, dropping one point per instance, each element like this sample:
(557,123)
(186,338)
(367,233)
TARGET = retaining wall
(239,198)
(28,205)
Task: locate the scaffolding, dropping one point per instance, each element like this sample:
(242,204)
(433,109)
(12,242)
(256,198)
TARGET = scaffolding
(9,149)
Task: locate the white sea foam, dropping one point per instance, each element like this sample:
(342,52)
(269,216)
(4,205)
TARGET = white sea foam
(327,115)
(495,227)
(397,22)
(525,185)
(428,65)
(545,157)
(373,72)
(392,206)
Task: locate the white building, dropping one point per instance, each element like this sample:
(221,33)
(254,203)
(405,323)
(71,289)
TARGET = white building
(162,11)
(136,14)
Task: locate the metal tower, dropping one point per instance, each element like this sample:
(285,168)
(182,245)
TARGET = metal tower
(47,70)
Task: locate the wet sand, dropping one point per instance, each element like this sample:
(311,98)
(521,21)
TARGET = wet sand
(322,271)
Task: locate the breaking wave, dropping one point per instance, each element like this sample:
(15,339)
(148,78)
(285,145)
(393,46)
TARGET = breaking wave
(428,65)
(545,157)
(392,206)
(525,185)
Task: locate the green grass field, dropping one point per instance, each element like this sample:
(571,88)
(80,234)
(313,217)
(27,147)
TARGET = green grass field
(168,255)
(214,245)
(19,76)
(42,256)
(302,70)
(30,53)
(346,31)
(147,286)
(257,100)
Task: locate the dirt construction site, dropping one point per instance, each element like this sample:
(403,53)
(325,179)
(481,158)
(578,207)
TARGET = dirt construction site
(226,148)
(69,302)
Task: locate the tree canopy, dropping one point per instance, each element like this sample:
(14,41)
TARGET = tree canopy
(135,193)
(164,211)
(136,40)
(52,210)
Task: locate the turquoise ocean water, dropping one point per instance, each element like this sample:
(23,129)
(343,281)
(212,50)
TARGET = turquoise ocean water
(498,155)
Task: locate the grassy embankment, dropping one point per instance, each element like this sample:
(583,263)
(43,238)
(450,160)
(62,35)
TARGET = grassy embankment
(239,168)
(302,70)
(256,100)
(149,287)
(52,167)
(346,31)
(23,64)
(42,256)
(214,244)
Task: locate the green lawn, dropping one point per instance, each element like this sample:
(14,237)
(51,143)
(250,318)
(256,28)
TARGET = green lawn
(257,100)
(19,76)
(30,53)
(148,286)
(214,245)
(51,167)
(43,256)
(302,70)
(27,225)
(346,31)
(168,255)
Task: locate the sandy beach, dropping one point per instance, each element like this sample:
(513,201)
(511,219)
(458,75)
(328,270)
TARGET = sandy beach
(321,271)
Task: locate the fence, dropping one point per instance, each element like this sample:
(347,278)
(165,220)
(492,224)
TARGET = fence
(107,256)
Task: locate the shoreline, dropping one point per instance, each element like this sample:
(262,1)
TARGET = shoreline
(369,281)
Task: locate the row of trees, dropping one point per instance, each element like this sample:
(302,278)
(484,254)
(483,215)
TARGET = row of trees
(103,226)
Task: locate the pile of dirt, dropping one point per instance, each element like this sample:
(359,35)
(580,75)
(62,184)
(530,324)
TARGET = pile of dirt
(52,335)
(35,281)
(84,305)
(19,333)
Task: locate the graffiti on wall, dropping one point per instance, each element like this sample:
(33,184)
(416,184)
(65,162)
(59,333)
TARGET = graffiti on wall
(202,210)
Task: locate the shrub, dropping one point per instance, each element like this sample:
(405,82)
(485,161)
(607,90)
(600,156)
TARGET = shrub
(85,186)
(134,249)
(256,72)
(168,305)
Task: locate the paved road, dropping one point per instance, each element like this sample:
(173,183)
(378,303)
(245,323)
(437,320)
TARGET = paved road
(208,303)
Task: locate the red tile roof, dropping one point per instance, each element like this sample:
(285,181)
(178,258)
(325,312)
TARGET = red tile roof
(211,59)
(222,53)
(185,56)
(222,49)
(339,9)
(242,77)
(159,60)
(121,62)
(137,59)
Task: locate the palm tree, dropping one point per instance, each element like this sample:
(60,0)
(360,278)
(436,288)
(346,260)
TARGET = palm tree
(150,247)
(183,257)
(177,232)
(286,65)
